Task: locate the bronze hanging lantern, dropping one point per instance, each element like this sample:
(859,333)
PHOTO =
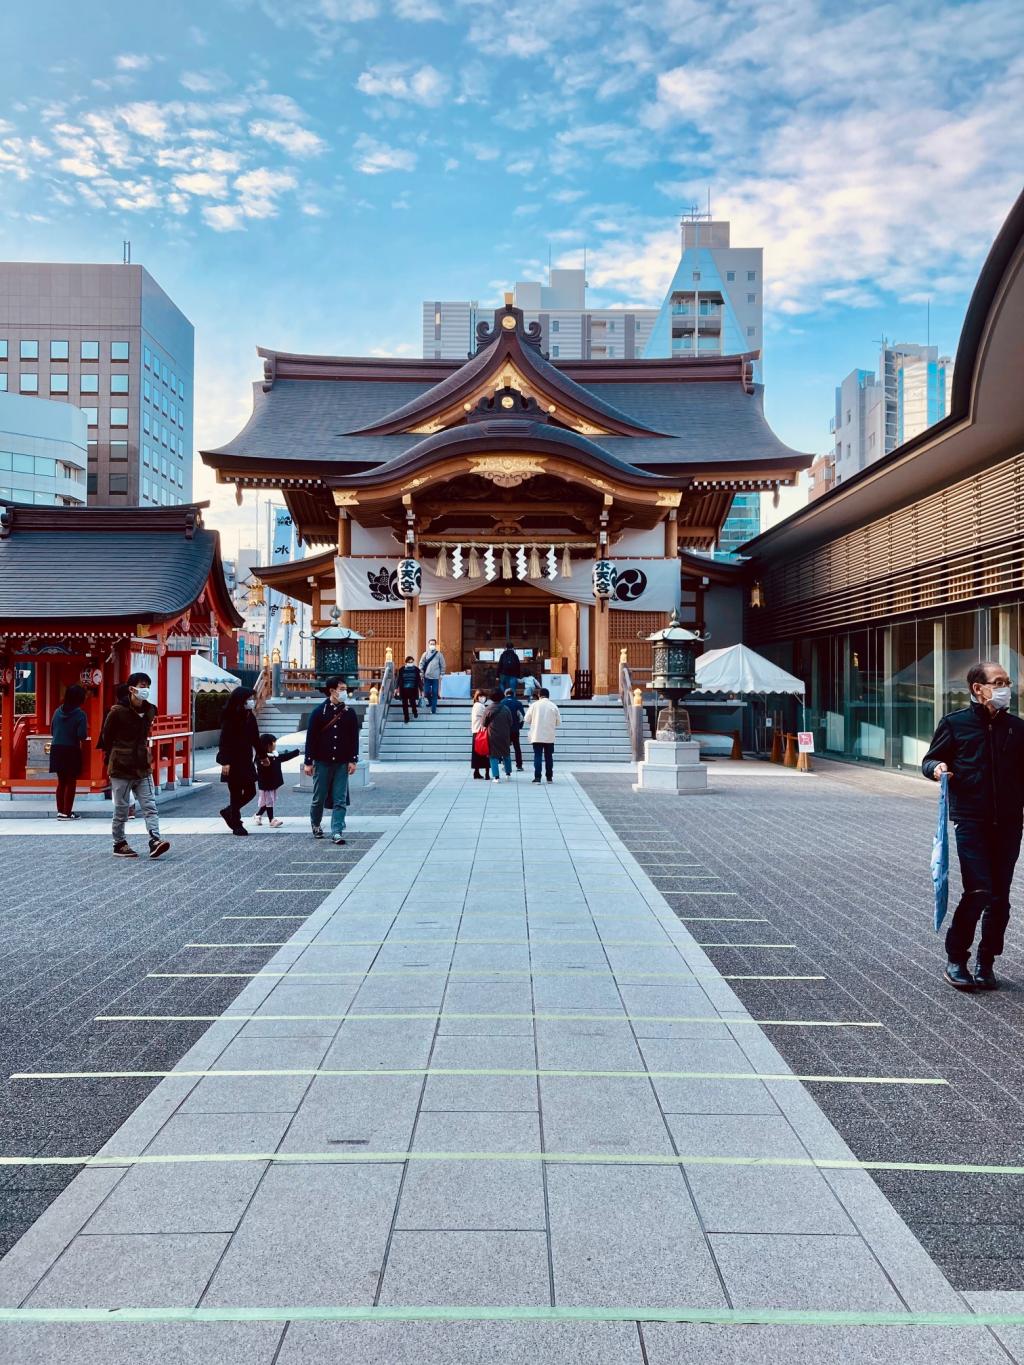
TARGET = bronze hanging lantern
(287,615)
(674,675)
(255,594)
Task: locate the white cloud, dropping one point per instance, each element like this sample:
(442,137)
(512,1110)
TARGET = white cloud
(424,85)
(375,158)
(567,196)
(523,165)
(224,217)
(313,211)
(483,151)
(295,140)
(145,118)
(203,183)
(133,61)
(418,11)
(203,82)
(258,191)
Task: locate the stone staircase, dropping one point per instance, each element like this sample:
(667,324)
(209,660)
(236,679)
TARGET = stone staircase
(589,733)
(281,716)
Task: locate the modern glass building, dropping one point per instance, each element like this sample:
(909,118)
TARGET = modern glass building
(883,592)
(42,452)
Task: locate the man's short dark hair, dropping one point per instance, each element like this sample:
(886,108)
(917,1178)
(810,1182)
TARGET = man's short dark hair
(138,680)
(409,659)
(978,673)
(543,692)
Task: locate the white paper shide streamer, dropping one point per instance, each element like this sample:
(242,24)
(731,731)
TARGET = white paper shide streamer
(490,571)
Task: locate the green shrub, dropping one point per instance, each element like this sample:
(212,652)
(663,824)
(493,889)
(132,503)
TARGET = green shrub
(24,703)
(209,709)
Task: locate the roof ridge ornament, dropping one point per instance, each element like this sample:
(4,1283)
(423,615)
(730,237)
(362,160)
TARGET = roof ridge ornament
(509,319)
(506,402)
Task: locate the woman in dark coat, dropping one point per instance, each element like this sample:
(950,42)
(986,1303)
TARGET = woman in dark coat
(68,730)
(238,754)
(498,723)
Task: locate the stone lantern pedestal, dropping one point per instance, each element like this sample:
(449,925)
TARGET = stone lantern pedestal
(668,766)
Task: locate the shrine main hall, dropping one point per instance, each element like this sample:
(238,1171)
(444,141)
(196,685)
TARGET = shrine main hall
(567,507)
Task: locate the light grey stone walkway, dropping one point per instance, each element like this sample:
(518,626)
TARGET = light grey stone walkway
(503,935)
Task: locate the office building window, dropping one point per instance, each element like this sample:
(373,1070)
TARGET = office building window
(181,418)
(555,325)
(118,417)
(3,348)
(750,331)
(181,389)
(145,421)
(29,382)
(59,350)
(90,482)
(163,435)
(58,383)
(29,350)
(119,350)
(92,416)
(90,449)
(751,275)
(730,274)
(181,446)
(554,351)
(118,483)
(119,450)
(174,382)
(3,381)
(118,383)
(181,477)
(611,326)
(145,487)
(696,275)
(90,350)
(163,468)
(163,404)
(145,454)
(89,383)
(165,373)
(751,298)
(174,412)
(147,357)
(145,389)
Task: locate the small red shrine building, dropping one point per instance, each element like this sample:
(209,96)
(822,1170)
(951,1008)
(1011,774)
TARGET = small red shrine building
(89,595)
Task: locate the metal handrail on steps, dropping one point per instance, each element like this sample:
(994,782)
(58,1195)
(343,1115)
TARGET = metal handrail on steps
(632,708)
(377,710)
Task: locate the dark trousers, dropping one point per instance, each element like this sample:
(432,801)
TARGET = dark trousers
(66,786)
(431,691)
(988,855)
(517,748)
(508,680)
(239,795)
(543,753)
(409,698)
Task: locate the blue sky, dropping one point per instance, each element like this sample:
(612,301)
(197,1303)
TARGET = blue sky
(302,173)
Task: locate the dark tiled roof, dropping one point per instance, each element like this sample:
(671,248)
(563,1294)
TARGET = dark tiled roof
(132,575)
(715,423)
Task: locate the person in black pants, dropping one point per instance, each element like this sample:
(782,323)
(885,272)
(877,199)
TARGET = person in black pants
(410,685)
(518,711)
(237,754)
(981,747)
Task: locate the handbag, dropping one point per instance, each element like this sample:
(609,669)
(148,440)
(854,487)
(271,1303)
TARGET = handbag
(940,854)
(481,744)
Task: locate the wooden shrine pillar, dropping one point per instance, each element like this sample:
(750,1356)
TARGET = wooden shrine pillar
(599,638)
(449,634)
(672,534)
(344,549)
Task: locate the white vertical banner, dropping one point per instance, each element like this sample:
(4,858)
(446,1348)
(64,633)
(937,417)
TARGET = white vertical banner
(282,551)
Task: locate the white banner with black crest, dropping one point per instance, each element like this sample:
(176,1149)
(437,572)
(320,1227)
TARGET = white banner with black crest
(640,585)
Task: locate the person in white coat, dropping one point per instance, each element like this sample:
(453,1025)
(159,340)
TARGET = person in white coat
(480,763)
(541,721)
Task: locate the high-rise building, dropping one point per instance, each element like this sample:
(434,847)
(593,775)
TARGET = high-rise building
(107,339)
(569,329)
(875,413)
(714,306)
(42,452)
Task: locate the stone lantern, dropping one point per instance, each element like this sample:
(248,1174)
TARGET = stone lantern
(671,761)
(336,651)
(674,675)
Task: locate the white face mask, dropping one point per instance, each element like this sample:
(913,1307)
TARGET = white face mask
(1000,697)
(250,704)
(142,693)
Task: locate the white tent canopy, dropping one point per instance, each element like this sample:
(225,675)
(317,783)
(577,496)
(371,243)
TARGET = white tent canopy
(210,677)
(738,669)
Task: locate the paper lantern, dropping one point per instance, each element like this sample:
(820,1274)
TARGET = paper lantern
(409,578)
(605,578)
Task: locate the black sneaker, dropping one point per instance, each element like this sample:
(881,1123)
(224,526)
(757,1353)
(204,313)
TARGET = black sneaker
(124,850)
(241,831)
(157,846)
(985,978)
(958,976)
(535,782)
(317,832)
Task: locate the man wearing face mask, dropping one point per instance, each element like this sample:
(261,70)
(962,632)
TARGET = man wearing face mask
(124,740)
(332,752)
(981,747)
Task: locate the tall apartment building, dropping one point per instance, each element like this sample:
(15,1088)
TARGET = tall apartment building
(876,412)
(569,329)
(107,339)
(42,452)
(714,305)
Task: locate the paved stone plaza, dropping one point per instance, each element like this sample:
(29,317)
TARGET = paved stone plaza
(502,1067)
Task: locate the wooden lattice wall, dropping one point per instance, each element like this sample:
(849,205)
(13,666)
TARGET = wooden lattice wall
(381,628)
(630,628)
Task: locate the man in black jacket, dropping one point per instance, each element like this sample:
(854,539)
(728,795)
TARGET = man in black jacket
(981,747)
(410,685)
(332,752)
(509,668)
